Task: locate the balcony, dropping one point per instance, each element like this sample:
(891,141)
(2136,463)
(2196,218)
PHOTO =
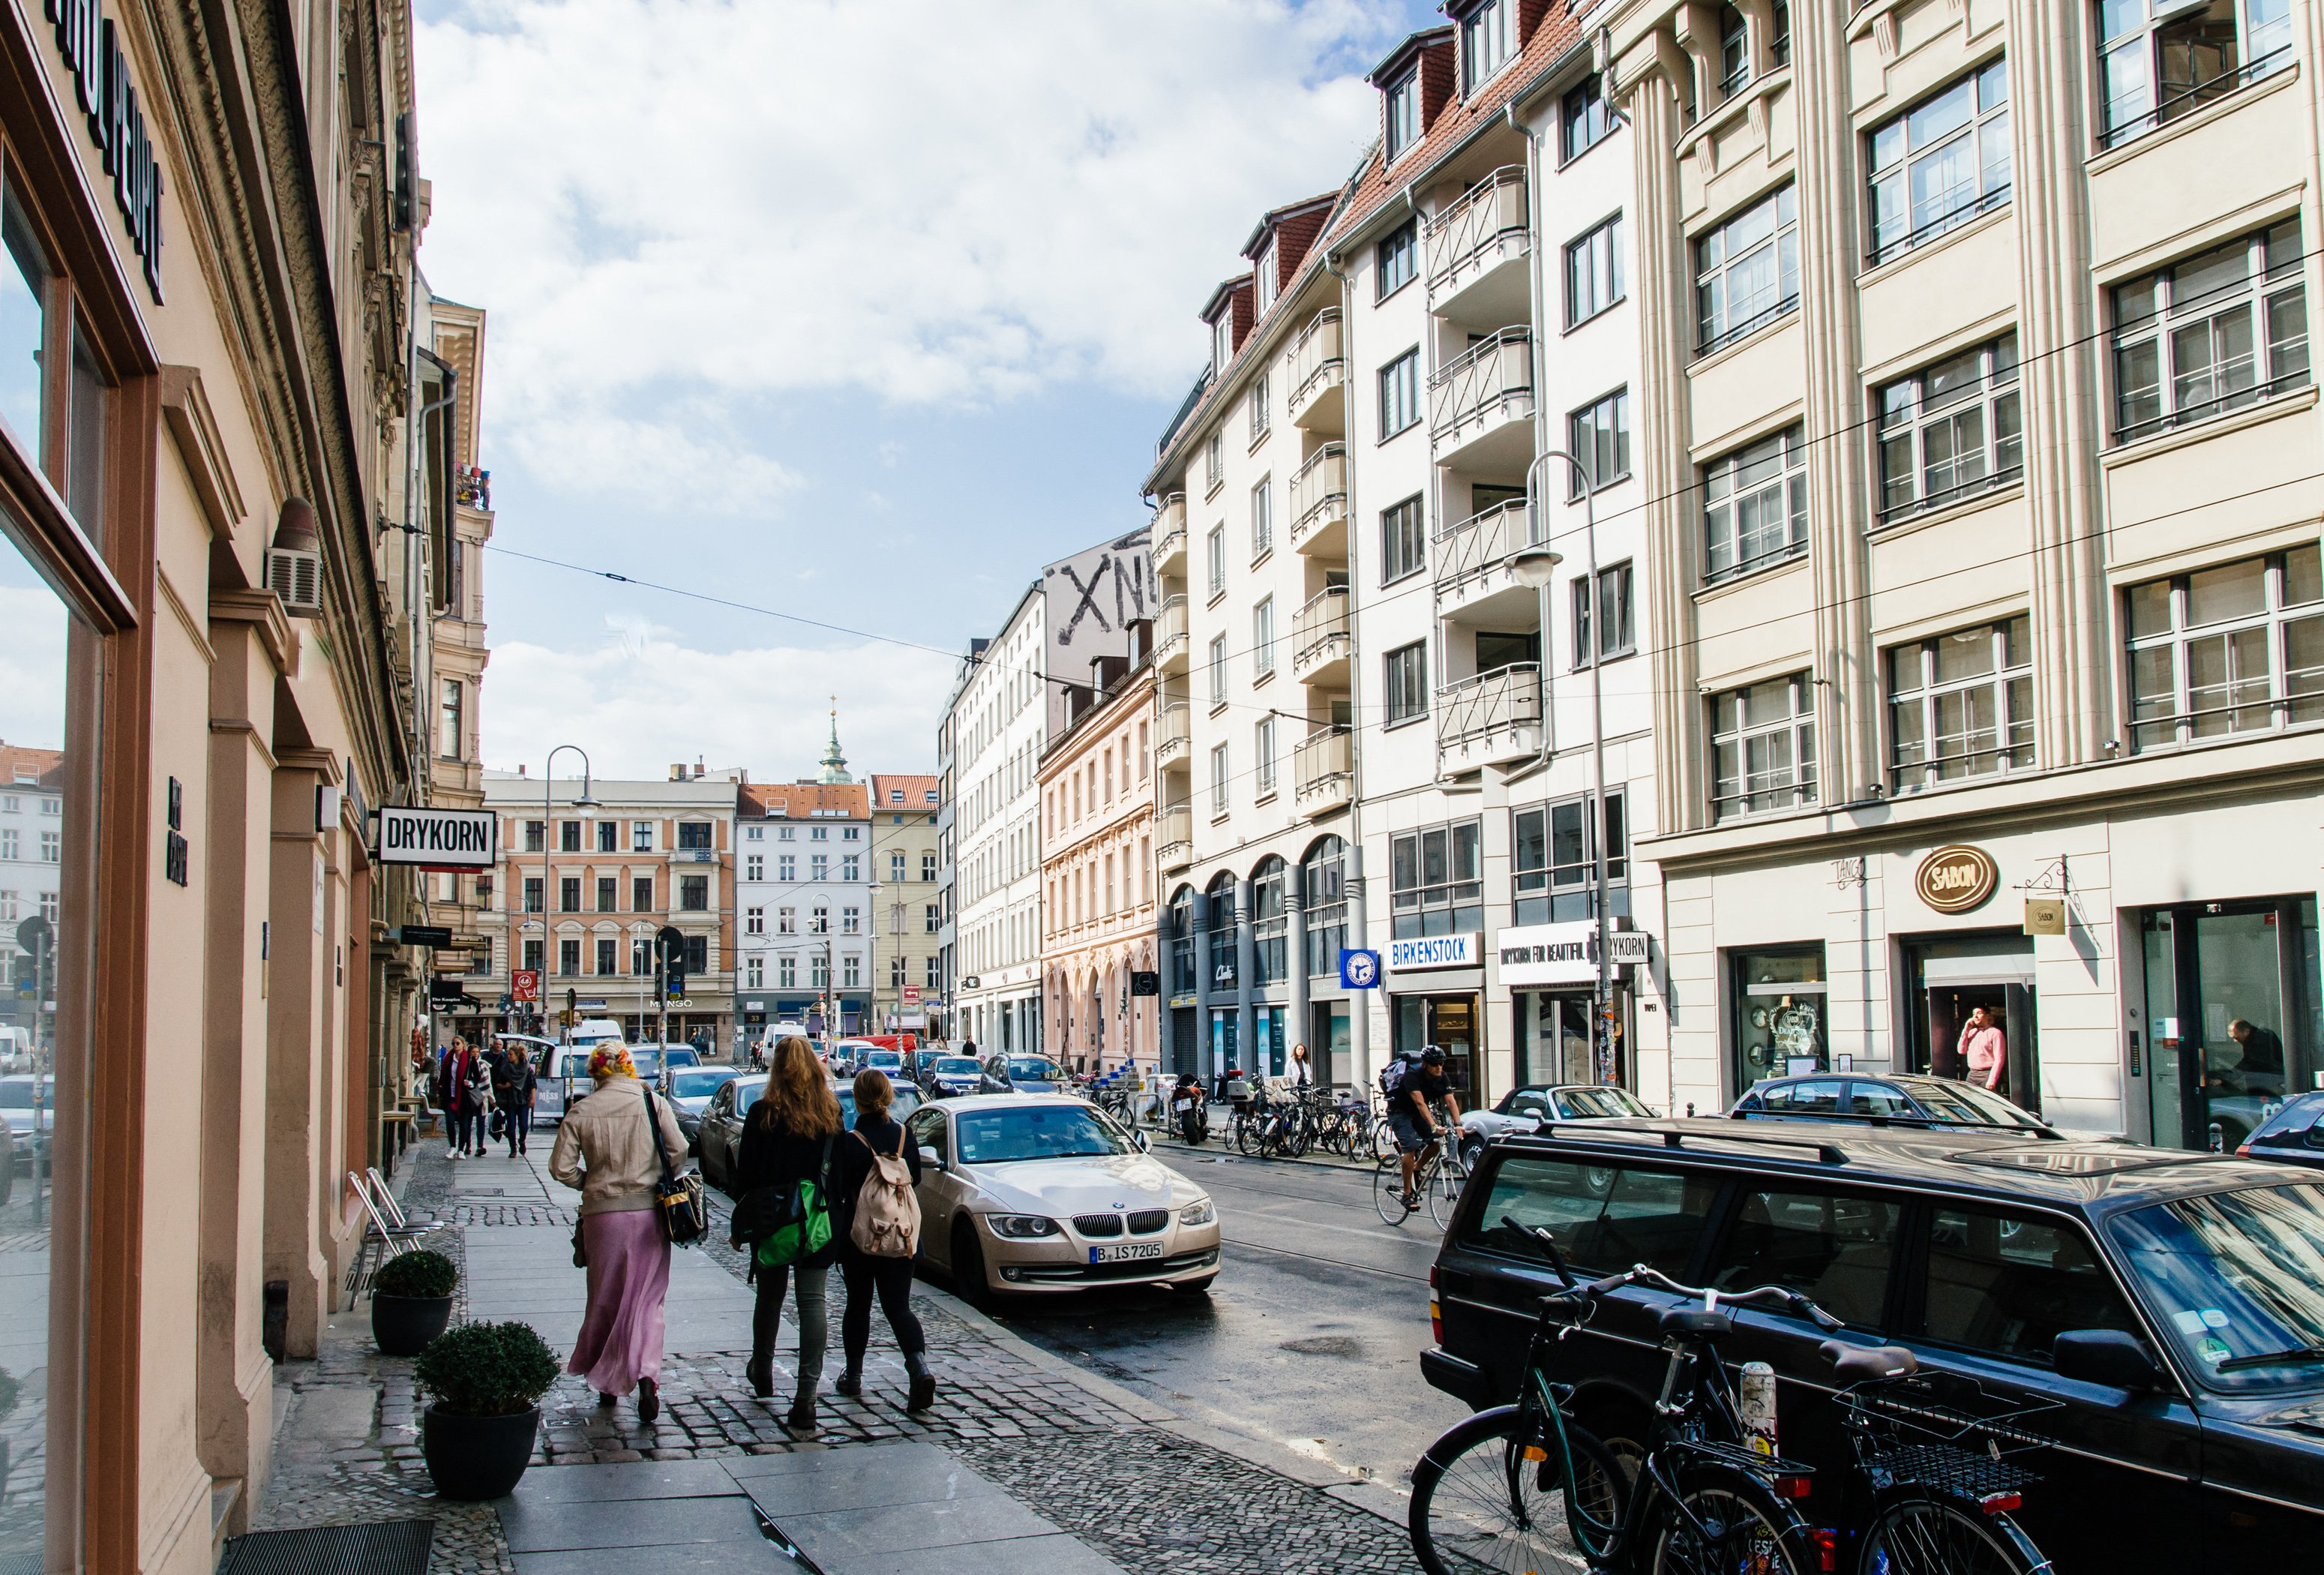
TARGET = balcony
(1171,644)
(1473,585)
(1319,505)
(1171,534)
(1477,250)
(1324,770)
(1323,640)
(1175,741)
(1175,837)
(1316,371)
(1490,720)
(1480,404)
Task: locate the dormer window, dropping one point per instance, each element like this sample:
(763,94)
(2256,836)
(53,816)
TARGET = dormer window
(1489,37)
(1222,339)
(1403,114)
(1264,282)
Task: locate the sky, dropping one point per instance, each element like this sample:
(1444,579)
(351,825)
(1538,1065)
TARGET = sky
(849,313)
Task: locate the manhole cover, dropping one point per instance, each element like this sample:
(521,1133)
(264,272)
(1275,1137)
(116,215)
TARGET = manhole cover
(1327,1345)
(386,1547)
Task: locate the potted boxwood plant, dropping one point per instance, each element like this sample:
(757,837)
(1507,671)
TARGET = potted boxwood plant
(486,1380)
(411,1301)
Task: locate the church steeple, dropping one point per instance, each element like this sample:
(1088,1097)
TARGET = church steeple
(834,764)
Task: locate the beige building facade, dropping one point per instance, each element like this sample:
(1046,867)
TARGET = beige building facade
(907,901)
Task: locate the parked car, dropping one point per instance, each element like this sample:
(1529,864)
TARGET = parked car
(2292,1133)
(717,1135)
(2191,1284)
(945,1076)
(1905,1099)
(1046,1193)
(28,1108)
(1524,1109)
(689,1089)
(1024,1075)
(879,1058)
(564,1072)
(907,1101)
(847,1056)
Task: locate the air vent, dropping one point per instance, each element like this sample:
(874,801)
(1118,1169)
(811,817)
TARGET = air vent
(297,578)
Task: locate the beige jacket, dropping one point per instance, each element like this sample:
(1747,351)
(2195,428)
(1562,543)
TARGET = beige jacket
(605,1148)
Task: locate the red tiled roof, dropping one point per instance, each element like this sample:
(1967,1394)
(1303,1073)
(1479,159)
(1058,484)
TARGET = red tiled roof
(47,767)
(799,800)
(917,791)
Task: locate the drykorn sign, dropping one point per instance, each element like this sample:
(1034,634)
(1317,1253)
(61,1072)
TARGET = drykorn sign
(438,839)
(100,77)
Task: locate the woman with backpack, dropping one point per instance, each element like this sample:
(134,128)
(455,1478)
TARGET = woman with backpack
(876,1217)
(784,1180)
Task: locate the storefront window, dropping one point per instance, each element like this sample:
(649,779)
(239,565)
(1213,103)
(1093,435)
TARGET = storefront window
(1777,999)
(2231,1006)
(1182,942)
(24,320)
(1222,896)
(1269,923)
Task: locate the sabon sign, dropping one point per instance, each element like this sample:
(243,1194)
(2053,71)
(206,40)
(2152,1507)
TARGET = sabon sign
(1957,879)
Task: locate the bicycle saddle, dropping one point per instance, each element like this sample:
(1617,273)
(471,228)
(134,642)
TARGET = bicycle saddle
(1694,1321)
(1865,1362)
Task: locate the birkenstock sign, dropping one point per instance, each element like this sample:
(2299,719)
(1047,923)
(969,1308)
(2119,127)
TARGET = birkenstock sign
(1957,879)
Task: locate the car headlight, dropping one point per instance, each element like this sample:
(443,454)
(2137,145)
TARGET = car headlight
(1021,1227)
(1200,1212)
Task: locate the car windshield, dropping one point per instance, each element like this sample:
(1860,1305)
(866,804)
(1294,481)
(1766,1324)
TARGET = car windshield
(907,1101)
(1959,1102)
(696,1085)
(1059,1131)
(1035,1068)
(2238,1281)
(955,1065)
(2293,1118)
(885,1060)
(1585,1103)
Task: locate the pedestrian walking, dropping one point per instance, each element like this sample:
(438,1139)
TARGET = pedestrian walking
(1302,1071)
(477,1099)
(516,1086)
(878,1154)
(784,1181)
(607,1147)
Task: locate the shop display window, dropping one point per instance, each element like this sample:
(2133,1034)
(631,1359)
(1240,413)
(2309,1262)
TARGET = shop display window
(1776,997)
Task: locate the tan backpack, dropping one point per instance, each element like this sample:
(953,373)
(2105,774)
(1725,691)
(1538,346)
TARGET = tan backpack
(887,1212)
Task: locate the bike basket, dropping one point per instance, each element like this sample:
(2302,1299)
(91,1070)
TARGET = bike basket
(1947,1469)
(1942,1410)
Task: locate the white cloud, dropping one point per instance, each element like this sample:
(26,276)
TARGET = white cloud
(638,461)
(641,702)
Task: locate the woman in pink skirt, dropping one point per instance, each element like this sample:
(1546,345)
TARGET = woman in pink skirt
(605,1147)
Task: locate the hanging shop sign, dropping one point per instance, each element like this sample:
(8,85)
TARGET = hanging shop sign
(102,89)
(1461,951)
(438,839)
(1957,879)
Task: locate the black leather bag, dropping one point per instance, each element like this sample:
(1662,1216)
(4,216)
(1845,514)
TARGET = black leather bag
(684,1213)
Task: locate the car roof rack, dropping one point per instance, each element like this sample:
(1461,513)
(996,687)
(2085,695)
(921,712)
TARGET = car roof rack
(2043,1133)
(1825,1153)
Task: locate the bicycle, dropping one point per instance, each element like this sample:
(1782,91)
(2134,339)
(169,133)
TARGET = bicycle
(1437,1177)
(1700,1500)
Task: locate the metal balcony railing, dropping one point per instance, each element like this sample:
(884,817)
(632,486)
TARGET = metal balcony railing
(1176,731)
(1323,619)
(1322,761)
(1170,530)
(1319,492)
(1175,833)
(1492,210)
(1469,547)
(1490,373)
(1315,356)
(1170,620)
(1489,703)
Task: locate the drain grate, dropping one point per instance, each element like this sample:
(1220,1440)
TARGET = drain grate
(386,1547)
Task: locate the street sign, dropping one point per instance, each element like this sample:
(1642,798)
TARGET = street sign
(911,995)
(424,934)
(438,839)
(971,982)
(524,984)
(589,1004)
(1359,970)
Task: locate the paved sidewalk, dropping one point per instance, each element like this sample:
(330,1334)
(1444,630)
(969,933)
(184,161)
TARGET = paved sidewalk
(1041,1466)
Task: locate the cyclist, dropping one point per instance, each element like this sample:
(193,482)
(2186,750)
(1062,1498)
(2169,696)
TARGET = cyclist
(1412,1113)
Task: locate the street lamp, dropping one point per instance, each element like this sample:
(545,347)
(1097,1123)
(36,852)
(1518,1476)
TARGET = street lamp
(1533,564)
(547,814)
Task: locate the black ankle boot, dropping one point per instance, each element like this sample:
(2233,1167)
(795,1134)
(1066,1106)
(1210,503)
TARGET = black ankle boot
(850,1382)
(924,1382)
(760,1371)
(800,1422)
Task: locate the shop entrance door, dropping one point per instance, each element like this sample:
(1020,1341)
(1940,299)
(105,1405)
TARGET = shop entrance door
(1557,1040)
(1952,977)
(1450,1023)
(2231,1001)
(1329,1036)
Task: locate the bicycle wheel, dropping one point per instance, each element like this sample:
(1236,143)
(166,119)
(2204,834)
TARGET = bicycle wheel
(1445,1180)
(1383,1137)
(1726,1523)
(1249,1135)
(1387,1189)
(1463,1517)
(1919,1533)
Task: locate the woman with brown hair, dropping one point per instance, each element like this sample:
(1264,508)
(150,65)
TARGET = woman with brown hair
(878,1134)
(783,1179)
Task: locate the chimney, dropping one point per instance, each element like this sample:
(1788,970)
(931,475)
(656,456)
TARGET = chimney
(678,770)
(520,767)
(697,767)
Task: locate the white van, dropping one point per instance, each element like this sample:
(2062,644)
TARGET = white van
(595,1031)
(15,1048)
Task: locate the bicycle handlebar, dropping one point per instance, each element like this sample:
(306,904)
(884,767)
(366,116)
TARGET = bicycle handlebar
(1774,1297)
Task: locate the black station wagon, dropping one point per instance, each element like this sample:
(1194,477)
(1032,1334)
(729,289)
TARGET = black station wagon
(2193,1441)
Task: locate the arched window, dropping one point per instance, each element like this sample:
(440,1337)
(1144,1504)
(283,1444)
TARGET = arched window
(1325,877)
(1182,941)
(1221,893)
(1270,922)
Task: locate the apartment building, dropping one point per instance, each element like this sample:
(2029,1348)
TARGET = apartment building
(992,729)
(31,851)
(942,1017)
(591,871)
(1978,443)
(1098,904)
(806,899)
(907,901)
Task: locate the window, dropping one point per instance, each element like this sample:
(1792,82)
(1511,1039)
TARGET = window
(787,867)
(535,832)
(1260,414)
(569,894)
(1613,625)
(787,833)
(641,836)
(609,836)
(818,867)
(1262,297)
(1599,435)
(754,868)
(1831,1247)
(851,834)
(787,972)
(818,921)
(1585,120)
(2234,649)
(532,894)
(1324,877)
(1215,454)
(932,977)
(1940,164)
(754,921)
(896,866)
(447,743)
(609,889)
(1262,639)
(698,954)
(1961,705)
(2009,1285)
(1555,861)
(896,966)
(1404,541)
(569,957)
(11,844)
(850,921)
(694,893)
(52,845)
(1262,519)
(1747,273)
(786,921)
(1218,781)
(641,894)
(1218,669)
(568,836)
(608,950)
(754,973)
(1755,506)
(1270,923)
(1950,431)
(1763,748)
(1603,1217)
(2219,330)
(1263,746)
(1215,552)
(1593,271)
(693,834)
(1397,258)
(1433,877)
(1406,685)
(1488,37)
(1222,346)
(2160,59)
(932,917)
(1399,393)
(1402,99)
(1734,52)
(851,868)
(928,866)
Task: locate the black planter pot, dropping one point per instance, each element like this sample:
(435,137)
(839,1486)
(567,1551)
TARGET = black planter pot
(403,1325)
(476,1458)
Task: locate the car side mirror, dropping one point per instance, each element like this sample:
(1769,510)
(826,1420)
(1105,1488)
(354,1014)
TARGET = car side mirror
(931,1157)
(2104,1356)
(1139,1138)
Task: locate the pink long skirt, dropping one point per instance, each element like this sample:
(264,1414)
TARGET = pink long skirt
(620,1340)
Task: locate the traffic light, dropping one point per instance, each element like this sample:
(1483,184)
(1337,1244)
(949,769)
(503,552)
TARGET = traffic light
(678,978)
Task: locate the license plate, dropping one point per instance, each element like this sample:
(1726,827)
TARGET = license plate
(1125,1252)
(1185,1105)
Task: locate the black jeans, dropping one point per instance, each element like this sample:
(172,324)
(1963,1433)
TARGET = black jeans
(891,1277)
(518,1120)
